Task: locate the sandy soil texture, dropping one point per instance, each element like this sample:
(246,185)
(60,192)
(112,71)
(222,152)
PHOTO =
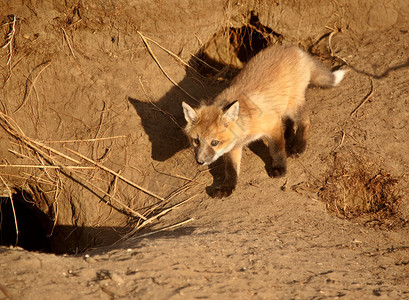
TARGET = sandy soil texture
(92,147)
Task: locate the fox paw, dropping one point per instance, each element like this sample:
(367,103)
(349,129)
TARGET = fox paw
(276,171)
(296,148)
(221,191)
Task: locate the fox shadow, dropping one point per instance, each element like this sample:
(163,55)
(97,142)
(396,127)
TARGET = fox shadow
(163,123)
(163,120)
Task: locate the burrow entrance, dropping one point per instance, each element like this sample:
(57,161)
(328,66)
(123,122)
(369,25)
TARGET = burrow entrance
(25,225)
(231,47)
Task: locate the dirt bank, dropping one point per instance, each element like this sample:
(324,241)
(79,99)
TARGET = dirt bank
(88,112)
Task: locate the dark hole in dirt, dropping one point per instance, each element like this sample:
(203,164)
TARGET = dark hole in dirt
(36,231)
(20,213)
(231,47)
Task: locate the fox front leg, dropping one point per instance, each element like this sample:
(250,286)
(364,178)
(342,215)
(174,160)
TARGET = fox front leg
(232,169)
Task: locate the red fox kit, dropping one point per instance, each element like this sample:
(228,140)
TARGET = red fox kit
(266,99)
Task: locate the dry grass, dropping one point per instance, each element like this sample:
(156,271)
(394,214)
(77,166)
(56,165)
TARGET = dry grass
(359,188)
(145,41)
(64,167)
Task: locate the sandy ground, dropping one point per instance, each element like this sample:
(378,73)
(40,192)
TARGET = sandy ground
(273,238)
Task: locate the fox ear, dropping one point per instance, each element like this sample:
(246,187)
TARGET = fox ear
(231,112)
(189,112)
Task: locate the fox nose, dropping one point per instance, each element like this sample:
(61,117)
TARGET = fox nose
(200,162)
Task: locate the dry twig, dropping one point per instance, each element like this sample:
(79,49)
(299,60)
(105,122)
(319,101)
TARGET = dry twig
(116,174)
(364,100)
(205,63)
(127,208)
(162,69)
(164,228)
(341,142)
(175,56)
(9,41)
(333,32)
(12,207)
(47,167)
(34,145)
(87,140)
(151,219)
(68,42)
(172,117)
(28,90)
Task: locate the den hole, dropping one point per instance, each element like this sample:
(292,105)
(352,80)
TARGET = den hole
(23,224)
(231,47)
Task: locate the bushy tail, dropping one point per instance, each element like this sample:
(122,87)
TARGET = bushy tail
(323,77)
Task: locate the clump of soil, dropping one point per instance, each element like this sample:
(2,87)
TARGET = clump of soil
(358,188)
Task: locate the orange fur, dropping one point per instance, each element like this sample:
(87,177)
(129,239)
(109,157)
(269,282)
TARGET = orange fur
(268,91)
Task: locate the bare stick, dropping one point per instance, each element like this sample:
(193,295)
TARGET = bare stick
(116,174)
(340,144)
(205,63)
(6,293)
(165,228)
(46,167)
(172,117)
(161,68)
(334,31)
(12,206)
(151,219)
(68,42)
(101,122)
(28,141)
(9,41)
(87,140)
(177,176)
(148,221)
(364,100)
(174,55)
(135,213)
(18,154)
(29,177)
(27,93)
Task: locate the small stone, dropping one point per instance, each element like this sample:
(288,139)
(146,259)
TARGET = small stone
(116,278)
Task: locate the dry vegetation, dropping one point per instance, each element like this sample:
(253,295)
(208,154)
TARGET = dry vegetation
(358,188)
(92,150)
(353,188)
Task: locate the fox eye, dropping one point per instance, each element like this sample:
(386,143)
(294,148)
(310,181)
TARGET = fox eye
(196,142)
(214,143)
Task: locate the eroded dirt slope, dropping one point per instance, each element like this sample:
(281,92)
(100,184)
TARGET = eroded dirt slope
(271,238)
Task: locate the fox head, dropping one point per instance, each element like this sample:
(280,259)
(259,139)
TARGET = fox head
(210,130)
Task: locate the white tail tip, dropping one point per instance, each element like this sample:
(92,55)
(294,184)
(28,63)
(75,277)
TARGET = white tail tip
(338,76)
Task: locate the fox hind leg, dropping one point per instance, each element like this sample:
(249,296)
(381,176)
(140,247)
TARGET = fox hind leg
(289,134)
(296,138)
(276,145)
